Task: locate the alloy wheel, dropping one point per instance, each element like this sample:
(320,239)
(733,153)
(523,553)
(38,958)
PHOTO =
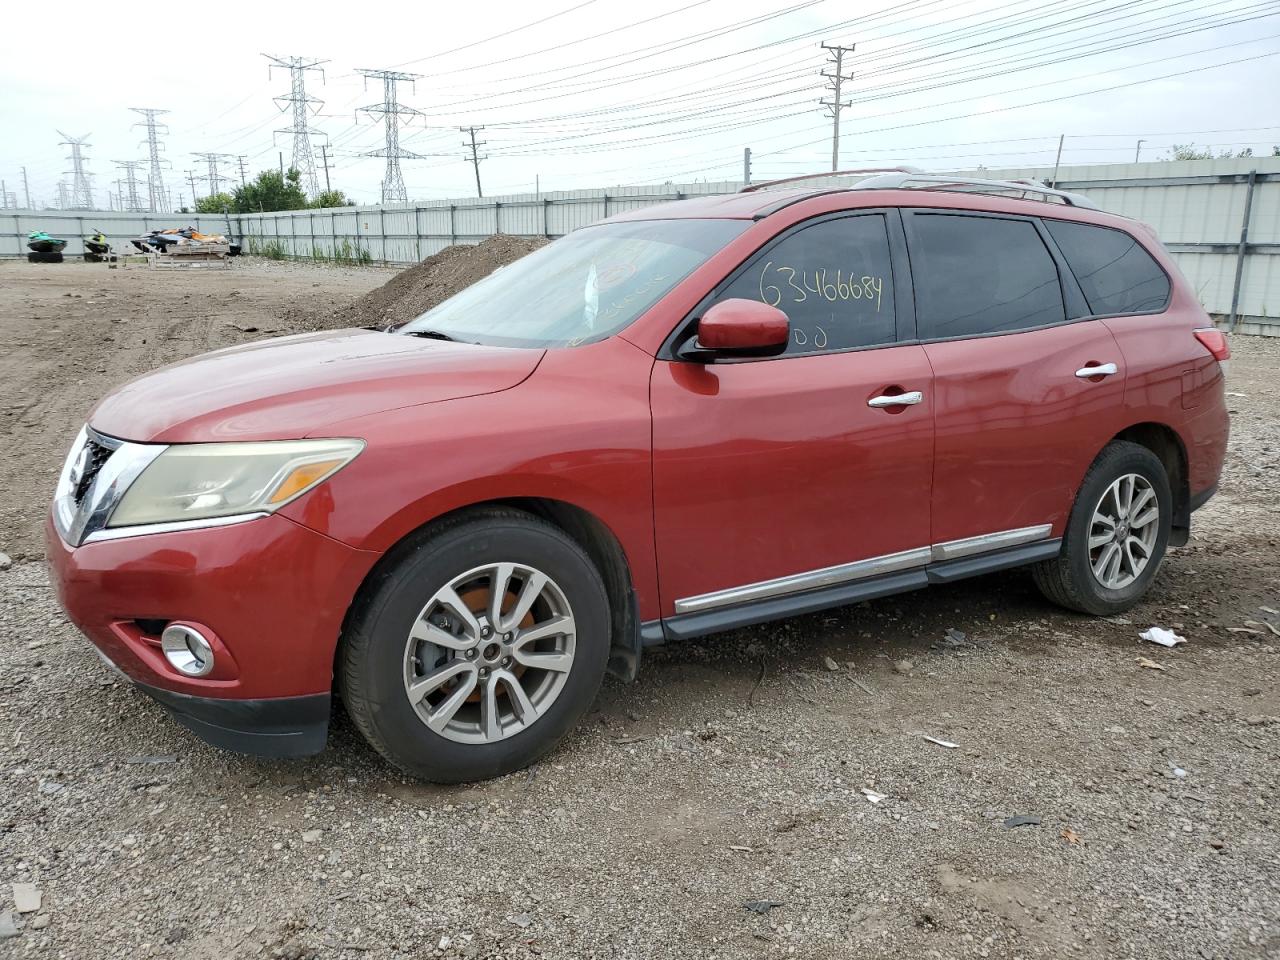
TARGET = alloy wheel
(1123,531)
(489,653)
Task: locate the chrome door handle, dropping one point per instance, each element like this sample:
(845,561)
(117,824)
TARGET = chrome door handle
(896,400)
(1099,370)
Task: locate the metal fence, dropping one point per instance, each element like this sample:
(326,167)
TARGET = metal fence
(1219,218)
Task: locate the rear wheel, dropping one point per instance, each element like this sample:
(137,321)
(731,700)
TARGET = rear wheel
(1116,536)
(476,653)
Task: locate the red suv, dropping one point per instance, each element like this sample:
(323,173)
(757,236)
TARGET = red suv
(687,418)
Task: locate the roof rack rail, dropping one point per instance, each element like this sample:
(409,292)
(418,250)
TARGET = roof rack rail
(752,188)
(913,180)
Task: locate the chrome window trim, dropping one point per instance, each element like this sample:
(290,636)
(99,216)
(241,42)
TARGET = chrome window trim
(862,569)
(954,549)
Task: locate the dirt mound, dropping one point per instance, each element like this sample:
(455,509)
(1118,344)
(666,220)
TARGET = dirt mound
(417,289)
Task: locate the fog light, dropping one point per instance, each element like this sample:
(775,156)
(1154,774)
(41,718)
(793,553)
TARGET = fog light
(187,650)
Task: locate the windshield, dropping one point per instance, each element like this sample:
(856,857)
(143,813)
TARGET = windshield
(581,288)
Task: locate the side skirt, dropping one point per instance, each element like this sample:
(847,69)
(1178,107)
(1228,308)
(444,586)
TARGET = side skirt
(688,625)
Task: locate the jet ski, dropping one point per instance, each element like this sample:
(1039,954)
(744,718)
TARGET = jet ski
(40,242)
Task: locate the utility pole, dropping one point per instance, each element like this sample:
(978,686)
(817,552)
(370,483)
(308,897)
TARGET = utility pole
(304,159)
(133,202)
(4,195)
(746,166)
(393,181)
(81,194)
(155,181)
(191,179)
(1137,152)
(63,200)
(475,158)
(213,178)
(1053,181)
(243,180)
(26,188)
(324,152)
(836,79)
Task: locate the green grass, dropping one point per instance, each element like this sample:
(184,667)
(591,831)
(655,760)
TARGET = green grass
(271,249)
(344,253)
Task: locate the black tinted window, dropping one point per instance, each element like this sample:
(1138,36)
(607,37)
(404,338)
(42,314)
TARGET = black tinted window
(833,280)
(975,275)
(1115,273)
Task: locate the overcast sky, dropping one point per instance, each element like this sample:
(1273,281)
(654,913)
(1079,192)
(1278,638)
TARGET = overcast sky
(593,96)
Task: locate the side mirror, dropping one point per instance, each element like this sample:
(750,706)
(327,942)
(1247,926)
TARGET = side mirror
(739,328)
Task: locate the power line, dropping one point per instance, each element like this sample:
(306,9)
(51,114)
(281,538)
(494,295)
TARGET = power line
(155,180)
(836,77)
(393,181)
(304,160)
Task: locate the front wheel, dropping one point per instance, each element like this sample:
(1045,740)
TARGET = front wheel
(476,653)
(1116,536)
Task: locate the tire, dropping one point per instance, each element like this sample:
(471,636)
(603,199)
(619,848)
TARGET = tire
(379,662)
(1070,580)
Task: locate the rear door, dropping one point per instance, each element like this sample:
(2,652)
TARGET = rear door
(1024,394)
(777,476)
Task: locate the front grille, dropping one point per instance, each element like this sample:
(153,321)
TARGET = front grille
(93,457)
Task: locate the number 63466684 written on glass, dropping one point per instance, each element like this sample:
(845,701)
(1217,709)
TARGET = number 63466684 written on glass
(779,283)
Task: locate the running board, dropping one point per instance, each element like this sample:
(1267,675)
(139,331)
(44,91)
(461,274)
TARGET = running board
(685,626)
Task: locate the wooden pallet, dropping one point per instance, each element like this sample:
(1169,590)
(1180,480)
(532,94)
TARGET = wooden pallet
(203,261)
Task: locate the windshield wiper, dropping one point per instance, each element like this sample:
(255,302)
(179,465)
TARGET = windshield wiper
(434,335)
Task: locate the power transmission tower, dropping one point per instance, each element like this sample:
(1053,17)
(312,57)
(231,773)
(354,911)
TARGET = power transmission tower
(155,180)
(26,188)
(81,192)
(304,159)
(213,178)
(64,200)
(130,201)
(393,182)
(475,158)
(836,78)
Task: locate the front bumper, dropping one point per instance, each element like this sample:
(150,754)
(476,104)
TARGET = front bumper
(278,727)
(272,595)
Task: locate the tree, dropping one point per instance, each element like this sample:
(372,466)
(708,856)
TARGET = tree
(217,203)
(1189,151)
(270,191)
(332,198)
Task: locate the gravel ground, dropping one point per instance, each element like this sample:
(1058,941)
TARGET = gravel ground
(716,808)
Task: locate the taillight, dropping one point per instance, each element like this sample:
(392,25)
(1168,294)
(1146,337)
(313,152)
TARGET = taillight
(1215,341)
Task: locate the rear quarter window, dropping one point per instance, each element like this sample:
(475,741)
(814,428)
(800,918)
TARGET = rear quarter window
(1115,273)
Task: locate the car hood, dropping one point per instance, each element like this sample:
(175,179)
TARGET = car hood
(293,387)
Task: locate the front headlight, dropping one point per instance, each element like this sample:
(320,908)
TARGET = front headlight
(199,481)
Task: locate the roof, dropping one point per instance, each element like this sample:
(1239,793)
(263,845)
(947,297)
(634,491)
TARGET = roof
(762,199)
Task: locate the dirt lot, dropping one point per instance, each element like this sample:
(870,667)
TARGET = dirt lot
(730,777)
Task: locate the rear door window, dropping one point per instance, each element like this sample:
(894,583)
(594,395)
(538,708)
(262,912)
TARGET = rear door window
(981,275)
(1115,273)
(834,281)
